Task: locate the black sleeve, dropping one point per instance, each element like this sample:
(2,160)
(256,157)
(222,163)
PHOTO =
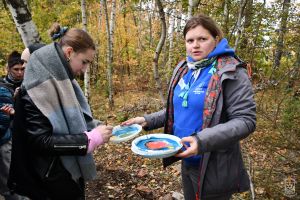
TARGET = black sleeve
(40,135)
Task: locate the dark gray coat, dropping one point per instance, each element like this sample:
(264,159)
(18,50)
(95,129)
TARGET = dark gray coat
(222,170)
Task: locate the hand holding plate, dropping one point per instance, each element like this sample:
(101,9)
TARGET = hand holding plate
(105,131)
(137,120)
(191,150)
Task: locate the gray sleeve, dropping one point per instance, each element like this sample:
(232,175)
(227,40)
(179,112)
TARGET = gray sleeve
(97,122)
(155,120)
(240,110)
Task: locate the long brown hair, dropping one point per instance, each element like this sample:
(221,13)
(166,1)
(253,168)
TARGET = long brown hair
(76,38)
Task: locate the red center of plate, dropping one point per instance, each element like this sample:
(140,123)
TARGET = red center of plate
(156,145)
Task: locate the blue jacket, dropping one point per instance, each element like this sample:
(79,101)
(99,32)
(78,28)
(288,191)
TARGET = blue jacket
(6,97)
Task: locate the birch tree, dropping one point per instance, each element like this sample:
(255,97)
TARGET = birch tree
(192,5)
(259,18)
(126,68)
(23,20)
(140,41)
(159,48)
(190,8)
(171,42)
(247,24)
(110,24)
(282,30)
(150,28)
(239,23)
(83,14)
(179,17)
(226,16)
(95,69)
(87,88)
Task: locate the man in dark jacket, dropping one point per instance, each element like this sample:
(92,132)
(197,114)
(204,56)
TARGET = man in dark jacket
(8,85)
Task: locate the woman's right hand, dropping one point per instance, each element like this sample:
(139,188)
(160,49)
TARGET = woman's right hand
(105,131)
(191,150)
(98,136)
(137,120)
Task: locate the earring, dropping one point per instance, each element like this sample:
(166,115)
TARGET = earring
(68,59)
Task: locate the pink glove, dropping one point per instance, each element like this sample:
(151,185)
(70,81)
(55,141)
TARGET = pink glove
(95,139)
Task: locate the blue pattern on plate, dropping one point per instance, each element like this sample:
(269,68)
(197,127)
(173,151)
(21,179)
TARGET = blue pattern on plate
(171,143)
(138,145)
(127,130)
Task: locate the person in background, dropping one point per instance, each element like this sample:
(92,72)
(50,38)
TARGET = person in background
(8,84)
(28,51)
(211,107)
(8,108)
(15,70)
(54,131)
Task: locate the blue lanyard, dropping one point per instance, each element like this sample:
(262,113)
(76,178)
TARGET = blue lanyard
(185,93)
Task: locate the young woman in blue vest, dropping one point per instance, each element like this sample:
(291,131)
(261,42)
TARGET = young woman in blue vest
(54,133)
(211,107)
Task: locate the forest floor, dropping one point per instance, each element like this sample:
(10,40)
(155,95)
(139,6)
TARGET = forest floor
(121,173)
(124,175)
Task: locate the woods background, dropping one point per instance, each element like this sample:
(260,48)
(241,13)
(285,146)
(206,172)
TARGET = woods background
(139,42)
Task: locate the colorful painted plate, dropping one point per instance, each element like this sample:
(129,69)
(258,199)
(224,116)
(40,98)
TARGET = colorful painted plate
(125,133)
(157,145)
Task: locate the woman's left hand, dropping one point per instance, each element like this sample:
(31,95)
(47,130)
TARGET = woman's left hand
(191,150)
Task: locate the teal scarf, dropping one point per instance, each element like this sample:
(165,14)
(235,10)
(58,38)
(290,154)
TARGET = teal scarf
(199,64)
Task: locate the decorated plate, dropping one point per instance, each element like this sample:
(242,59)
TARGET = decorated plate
(157,145)
(125,133)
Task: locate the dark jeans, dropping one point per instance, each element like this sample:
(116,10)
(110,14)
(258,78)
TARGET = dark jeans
(5,158)
(66,190)
(60,185)
(190,177)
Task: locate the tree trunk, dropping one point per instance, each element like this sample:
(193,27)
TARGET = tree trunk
(248,19)
(22,18)
(179,17)
(159,48)
(226,17)
(126,67)
(110,24)
(150,29)
(252,49)
(279,46)
(243,4)
(87,86)
(190,8)
(100,16)
(171,45)
(140,45)
(95,69)
(192,5)
(84,18)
